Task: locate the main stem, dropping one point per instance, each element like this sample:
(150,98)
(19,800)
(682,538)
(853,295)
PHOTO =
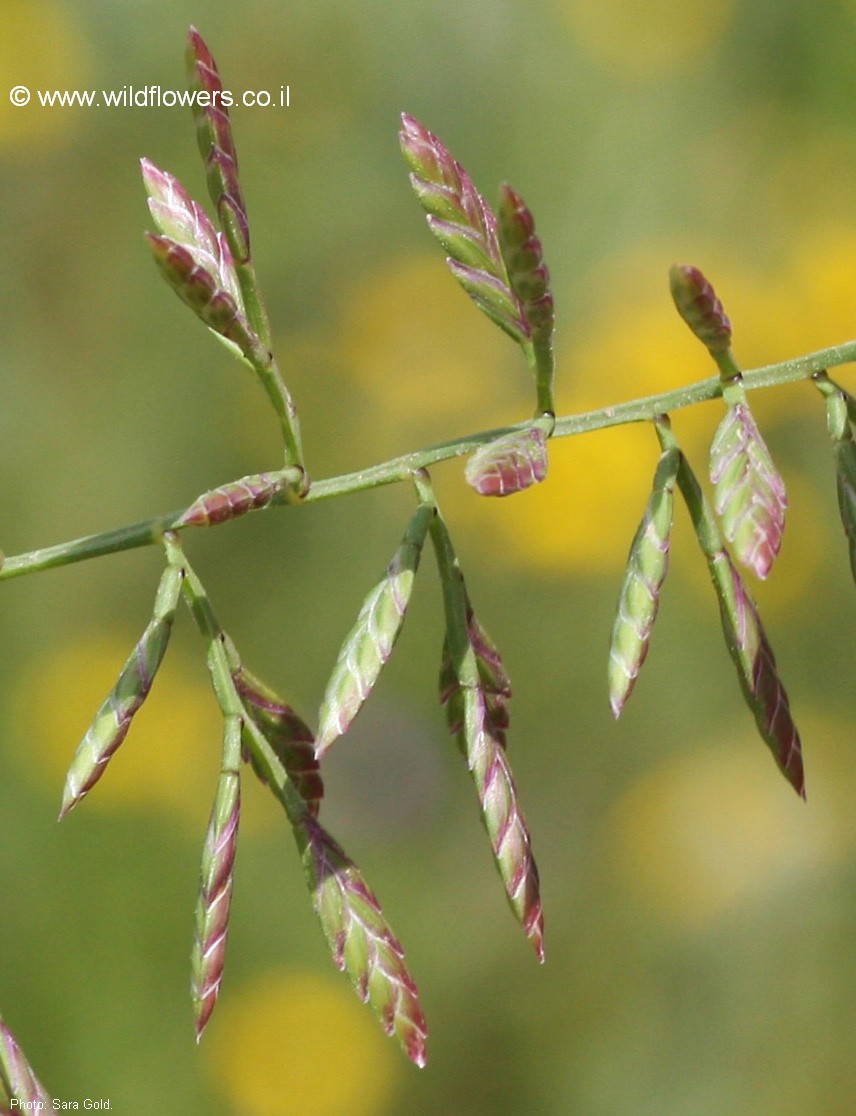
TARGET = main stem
(402,468)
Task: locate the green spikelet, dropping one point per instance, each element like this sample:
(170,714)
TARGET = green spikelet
(639,598)
(840,413)
(370,642)
(113,719)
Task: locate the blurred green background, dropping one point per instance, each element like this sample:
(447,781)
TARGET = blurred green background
(700,918)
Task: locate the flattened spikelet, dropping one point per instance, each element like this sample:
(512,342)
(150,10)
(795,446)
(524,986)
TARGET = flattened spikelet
(360,939)
(370,642)
(464,224)
(749,493)
(639,598)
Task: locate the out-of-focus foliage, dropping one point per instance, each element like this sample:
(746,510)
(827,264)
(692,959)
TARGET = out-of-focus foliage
(699,917)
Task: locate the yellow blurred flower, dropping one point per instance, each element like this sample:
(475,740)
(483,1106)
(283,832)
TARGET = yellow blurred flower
(435,364)
(42,49)
(296,1042)
(645,38)
(719,826)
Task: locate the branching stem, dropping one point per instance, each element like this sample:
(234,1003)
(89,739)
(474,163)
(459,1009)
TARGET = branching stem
(401,468)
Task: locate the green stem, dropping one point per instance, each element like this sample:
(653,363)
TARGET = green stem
(401,468)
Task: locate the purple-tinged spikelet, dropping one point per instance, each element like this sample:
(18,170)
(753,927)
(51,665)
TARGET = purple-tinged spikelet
(360,939)
(229,501)
(185,222)
(202,291)
(215,895)
(478,717)
(756,665)
(214,134)
(750,495)
(288,735)
(509,464)
(698,305)
(745,638)
(524,260)
(464,224)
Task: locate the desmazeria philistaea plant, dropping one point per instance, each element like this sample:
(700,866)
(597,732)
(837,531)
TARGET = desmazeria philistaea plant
(496,257)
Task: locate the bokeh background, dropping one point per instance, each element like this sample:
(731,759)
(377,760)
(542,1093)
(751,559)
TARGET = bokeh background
(700,918)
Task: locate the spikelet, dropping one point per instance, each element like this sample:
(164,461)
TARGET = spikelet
(229,501)
(478,718)
(370,642)
(749,493)
(113,719)
(698,305)
(508,464)
(186,223)
(360,939)
(746,639)
(203,292)
(290,737)
(530,282)
(23,1090)
(474,687)
(840,413)
(464,224)
(639,598)
(756,665)
(214,135)
(215,892)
